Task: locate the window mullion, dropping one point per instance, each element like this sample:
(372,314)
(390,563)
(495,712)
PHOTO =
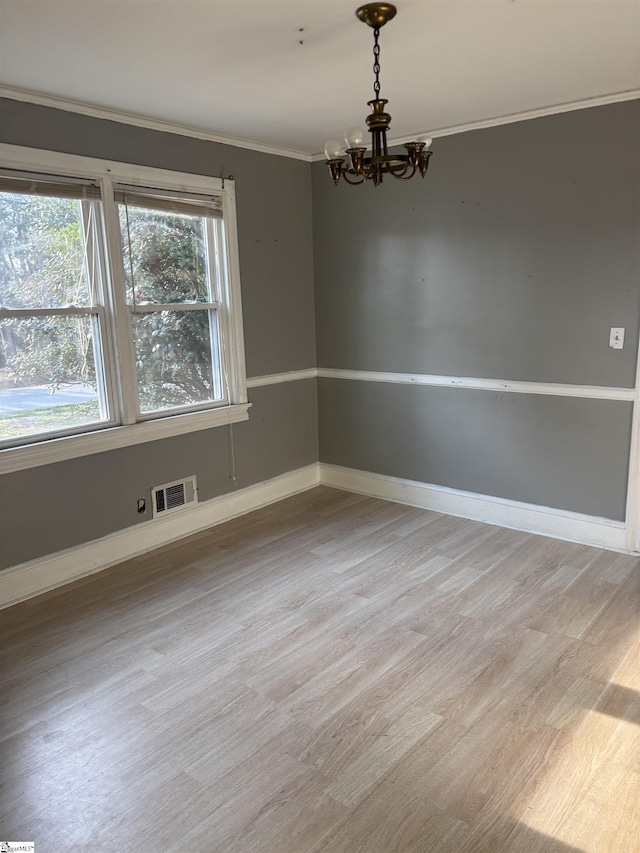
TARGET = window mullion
(121,318)
(92,226)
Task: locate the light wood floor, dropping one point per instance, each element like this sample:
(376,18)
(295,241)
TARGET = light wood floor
(332,673)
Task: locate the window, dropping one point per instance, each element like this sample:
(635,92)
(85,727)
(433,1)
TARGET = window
(169,251)
(51,320)
(119,305)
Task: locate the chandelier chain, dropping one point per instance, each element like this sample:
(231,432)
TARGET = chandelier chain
(376,62)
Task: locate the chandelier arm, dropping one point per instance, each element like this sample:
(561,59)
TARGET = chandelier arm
(387,160)
(404,176)
(346,172)
(398,170)
(398,166)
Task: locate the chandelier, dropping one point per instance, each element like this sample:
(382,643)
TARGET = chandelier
(359,168)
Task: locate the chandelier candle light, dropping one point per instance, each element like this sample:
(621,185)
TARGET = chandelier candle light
(360,168)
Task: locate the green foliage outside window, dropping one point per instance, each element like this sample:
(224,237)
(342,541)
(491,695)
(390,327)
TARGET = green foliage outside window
(42,264)
(165,262)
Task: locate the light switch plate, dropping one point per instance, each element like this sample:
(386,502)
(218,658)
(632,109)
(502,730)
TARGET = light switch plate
(616,338)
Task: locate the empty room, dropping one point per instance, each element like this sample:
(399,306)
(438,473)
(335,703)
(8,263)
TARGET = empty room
(320,426)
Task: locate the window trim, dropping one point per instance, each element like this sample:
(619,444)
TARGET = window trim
(131,430)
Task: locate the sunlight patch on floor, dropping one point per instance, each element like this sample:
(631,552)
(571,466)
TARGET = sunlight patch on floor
(594,781)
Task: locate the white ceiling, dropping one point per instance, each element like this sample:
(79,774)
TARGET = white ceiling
(237,67)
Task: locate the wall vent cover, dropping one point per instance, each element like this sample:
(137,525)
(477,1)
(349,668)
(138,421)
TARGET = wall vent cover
(174,496)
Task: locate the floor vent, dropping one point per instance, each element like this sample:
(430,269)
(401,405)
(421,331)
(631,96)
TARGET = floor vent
(174,496)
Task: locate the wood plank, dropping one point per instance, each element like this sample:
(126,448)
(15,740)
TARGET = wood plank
(330,674)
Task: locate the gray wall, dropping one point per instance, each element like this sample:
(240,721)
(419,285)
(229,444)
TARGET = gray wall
(46,509)
(511,261)
(57,506)
(273,198)
(560,452)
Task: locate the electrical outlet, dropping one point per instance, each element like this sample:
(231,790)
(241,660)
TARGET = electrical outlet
(142,505)
(616,338)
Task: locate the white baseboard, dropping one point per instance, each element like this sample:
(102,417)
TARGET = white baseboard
(560,524)
(29,579)
(37,576)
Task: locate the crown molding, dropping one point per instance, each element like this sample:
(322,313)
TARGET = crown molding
(511,118)
(109,114)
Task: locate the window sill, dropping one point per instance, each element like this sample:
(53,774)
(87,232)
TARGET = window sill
(99,441)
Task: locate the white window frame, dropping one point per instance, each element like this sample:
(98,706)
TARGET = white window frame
(133,428)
